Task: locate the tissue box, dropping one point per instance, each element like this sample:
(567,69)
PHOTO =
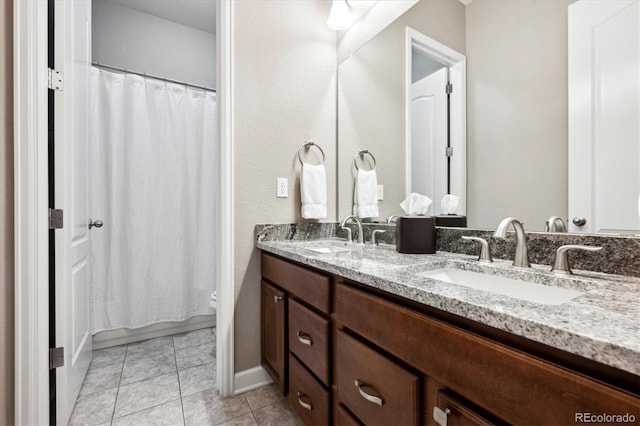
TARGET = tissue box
(416,234)
(451,220)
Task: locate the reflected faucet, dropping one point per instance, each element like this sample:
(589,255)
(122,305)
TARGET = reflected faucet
(522,256)
(357,220)
(555,224)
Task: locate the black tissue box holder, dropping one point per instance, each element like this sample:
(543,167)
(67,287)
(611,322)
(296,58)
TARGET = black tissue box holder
(416,234)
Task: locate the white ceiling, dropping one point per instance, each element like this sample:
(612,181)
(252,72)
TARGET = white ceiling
(198,14)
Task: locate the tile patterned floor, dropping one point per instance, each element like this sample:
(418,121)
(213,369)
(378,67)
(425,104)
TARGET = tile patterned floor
(170,381)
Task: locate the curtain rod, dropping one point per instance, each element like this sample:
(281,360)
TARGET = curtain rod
(155,77)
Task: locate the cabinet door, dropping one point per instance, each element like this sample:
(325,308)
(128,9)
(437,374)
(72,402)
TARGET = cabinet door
(274,311)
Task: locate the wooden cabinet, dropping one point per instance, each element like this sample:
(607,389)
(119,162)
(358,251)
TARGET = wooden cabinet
(357,356)
(273,333)
(296,336)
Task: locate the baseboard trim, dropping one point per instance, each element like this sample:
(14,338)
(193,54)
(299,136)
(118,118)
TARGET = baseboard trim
(123,336)
(250,379)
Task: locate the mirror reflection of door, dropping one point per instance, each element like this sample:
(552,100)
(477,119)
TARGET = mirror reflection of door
(436,127)
(429,129)
(604,112)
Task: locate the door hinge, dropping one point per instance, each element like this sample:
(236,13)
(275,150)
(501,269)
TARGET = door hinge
(55,79)
(449,88)
(55,219)
(449,151)
(56,358)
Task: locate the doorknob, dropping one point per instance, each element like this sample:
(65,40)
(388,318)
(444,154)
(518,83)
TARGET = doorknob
(97,224)
(579,221)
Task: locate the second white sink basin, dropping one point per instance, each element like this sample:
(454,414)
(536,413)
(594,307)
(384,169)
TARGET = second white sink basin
(523,290)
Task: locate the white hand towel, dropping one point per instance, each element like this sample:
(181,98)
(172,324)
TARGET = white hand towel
(313,191)
(366,194)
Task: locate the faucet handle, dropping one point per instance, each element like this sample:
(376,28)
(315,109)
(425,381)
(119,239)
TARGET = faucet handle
(346,228)
(374,234)
(485,251)
(561,263)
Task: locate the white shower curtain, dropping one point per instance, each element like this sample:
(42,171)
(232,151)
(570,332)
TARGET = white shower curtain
(153,180)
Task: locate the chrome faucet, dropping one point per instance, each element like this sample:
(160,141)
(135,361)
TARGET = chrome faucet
(522,256)
(561,262)
(357,220)
(555,224)
(392,218)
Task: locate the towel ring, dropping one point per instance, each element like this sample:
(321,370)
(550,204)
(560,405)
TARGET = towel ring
(306,146)
(361,153)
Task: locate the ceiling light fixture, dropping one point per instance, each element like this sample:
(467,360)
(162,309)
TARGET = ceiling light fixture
(340,17)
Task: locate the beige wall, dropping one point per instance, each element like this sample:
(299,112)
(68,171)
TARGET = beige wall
(284,93)
(371,99)
(6,213)
(516,111)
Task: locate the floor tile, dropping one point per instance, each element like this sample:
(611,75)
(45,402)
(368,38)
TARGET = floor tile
(149,346)
(169,414)
(109,356)
(194,338)
(278,414)
(147,393)
(263,396)
(196,355)
(197,379)
(94,409)
(208,408)
(246,420)
(100,378)
(150,363)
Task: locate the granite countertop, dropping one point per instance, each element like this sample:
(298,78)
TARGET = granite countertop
(601,324)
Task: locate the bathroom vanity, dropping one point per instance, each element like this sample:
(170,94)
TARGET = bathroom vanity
(359,335)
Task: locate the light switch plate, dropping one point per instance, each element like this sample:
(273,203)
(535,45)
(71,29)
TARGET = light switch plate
(282,187)
(380,192)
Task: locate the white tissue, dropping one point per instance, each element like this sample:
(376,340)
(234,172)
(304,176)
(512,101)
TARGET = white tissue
(449,204)
(416,204)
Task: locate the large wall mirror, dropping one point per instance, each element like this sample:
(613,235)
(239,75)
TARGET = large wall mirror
(519,73)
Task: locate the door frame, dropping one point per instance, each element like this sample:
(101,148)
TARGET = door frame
(31,210)
(458,127)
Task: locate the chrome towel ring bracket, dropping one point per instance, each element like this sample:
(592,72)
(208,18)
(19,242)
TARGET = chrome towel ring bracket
(361,155)
(307,146)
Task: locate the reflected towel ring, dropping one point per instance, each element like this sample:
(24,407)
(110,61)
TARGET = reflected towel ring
(306,146)
(361,153)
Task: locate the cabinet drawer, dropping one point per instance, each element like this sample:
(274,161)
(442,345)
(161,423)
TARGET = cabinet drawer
(458,413)
(510,384)
(344,418)
(377,391)
(309,339)
(307,397)
(305,284)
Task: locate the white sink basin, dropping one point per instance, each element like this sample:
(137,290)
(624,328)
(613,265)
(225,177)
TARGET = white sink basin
(330,248)
(523,290)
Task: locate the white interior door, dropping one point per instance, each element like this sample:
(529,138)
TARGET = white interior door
(429,136)
(73,302)
(604,115)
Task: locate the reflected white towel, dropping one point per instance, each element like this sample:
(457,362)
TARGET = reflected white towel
(365,196)
(313,191)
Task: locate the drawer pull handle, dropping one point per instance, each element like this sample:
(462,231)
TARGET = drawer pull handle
(305,339)
(371,398)
(304,405)
(276,299)
(440,415)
